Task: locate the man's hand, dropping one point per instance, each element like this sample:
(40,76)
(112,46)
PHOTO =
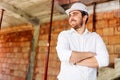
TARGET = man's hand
(89,62)
(79,56)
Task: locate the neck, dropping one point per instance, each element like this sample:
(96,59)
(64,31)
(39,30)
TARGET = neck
(81,29)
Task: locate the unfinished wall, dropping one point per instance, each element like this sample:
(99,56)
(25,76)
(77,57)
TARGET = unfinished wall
(15,44)
(107,25)
(53,67)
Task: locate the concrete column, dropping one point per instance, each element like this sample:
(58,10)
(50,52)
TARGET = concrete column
(33,51)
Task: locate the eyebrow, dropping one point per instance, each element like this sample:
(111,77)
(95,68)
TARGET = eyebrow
(74,13)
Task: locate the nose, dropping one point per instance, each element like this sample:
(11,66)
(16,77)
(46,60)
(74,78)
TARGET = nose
(71,18)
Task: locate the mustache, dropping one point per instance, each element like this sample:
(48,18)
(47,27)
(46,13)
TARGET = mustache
(72,20)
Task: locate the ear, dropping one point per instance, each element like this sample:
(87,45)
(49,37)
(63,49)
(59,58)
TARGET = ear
(85,18)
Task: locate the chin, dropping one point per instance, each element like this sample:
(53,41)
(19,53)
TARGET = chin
(75,27)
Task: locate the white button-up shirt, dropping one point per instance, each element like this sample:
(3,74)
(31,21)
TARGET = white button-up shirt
(69,41)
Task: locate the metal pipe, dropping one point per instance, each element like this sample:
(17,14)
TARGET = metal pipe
(94,18)
(1,17)
(49,40)
(118,18)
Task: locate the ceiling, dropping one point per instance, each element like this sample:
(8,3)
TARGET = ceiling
(23,11)
(33,11)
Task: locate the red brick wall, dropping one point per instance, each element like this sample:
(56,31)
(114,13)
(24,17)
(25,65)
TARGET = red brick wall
(53,67)
(106,26)
(15,44)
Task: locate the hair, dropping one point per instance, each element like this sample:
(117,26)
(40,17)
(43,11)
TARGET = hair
(83,14)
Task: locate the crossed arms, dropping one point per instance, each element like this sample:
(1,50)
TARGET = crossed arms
(98,59)
(83,59)
(89,59)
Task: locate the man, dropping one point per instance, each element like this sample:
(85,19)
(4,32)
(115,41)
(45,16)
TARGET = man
(81,52)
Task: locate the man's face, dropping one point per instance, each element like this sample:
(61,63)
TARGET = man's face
(75,19)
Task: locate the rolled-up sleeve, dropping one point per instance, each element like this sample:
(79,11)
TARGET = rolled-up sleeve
(62,47)
(102,56)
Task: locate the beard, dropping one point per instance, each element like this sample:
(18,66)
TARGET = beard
(76,25)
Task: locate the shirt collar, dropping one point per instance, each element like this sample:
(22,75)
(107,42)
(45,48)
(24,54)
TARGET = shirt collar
(74,31)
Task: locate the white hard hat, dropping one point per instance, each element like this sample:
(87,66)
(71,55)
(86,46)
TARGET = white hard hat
(77,6)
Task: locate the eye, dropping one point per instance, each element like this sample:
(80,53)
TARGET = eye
(75,13)
(69,15)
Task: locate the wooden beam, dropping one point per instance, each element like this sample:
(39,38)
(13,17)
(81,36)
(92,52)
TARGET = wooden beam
(87,2)
(20,12)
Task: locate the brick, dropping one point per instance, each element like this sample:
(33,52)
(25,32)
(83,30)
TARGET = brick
(36,70)
(64,24)
(39,76)
(41,70)
(25,49)
(112,22)
(101,24)
(43,43)
(108,15)
(19,78)
(89,25)
(105,39)
(17,28)
(25,55)
(5,77)
(42,49)
(58,30)
(52,50)
(52,63)
(100,31)
(112,58)
(90,19)
(7,71)
(114,39)
(100,16)
(18,55)
(14,47)
(117,30)
(56,23)
(3,65)
(43,37)
(40,62)
(41,56)
(111,49)
(44,31)
(5,60)
(108,31)
(24,67)
(55,56)
(18,44)
(117,49)
(52,77)
(52,71)
(20,74)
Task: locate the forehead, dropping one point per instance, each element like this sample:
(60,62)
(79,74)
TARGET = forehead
(74,11)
